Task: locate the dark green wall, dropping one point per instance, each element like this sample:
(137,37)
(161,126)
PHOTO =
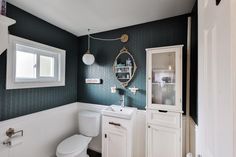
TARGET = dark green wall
(171,31)
(194,65)
(14,103)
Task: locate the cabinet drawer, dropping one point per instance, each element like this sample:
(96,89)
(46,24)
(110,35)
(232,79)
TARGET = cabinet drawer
(163,118)
(114,123)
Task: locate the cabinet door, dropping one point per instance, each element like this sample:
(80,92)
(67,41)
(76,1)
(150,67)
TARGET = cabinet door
(114,143)
(164,66)
(163,142)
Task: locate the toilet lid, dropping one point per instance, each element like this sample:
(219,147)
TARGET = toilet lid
(73,144)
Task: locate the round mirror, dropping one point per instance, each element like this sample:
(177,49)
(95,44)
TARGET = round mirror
(124,67)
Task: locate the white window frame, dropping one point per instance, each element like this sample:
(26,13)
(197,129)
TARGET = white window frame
(59,56)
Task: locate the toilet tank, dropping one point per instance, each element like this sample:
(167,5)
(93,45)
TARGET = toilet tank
(89,123)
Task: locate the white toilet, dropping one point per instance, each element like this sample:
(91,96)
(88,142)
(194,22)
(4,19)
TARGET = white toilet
(76,145)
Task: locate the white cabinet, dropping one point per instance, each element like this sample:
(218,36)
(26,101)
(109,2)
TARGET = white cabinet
(164,102)
(4,23)
(163,141)
(117,137)
(115,143)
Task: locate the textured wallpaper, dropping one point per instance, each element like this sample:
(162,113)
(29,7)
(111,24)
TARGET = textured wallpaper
(165,32)
(14,103)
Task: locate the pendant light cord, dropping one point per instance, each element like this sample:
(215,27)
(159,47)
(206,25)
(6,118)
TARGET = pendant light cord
(88,42)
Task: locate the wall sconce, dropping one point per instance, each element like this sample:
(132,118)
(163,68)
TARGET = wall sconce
(133,90)
(88,57)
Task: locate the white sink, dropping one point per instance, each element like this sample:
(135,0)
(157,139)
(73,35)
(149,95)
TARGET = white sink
(119,112)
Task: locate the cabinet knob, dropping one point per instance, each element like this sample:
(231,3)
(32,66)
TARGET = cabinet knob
(149,126)
(149,78)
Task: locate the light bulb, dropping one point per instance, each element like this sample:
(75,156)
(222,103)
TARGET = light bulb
(88,59)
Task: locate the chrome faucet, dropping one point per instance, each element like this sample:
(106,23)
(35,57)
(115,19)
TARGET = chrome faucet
(122,101)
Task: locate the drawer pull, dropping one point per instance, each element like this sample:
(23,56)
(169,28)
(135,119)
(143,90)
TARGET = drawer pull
(163,111)
(116,124)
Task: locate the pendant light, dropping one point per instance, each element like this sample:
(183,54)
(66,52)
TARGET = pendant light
(88,58)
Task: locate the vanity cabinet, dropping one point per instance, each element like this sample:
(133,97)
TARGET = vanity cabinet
(117,140)
(115,143)
(164,102)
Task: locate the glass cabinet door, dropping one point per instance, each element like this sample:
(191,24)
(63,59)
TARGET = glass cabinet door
(163,78)
(164,81)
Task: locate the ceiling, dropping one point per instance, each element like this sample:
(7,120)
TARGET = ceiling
(76,16)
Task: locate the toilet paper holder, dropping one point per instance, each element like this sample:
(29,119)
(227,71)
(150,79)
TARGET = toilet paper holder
(11,132)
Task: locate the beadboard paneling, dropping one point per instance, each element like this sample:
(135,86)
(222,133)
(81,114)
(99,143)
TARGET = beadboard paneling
(14,103)
(171,31)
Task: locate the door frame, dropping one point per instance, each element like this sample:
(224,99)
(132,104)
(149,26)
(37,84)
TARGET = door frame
(233,65)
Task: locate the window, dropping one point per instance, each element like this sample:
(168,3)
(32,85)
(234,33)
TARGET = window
(32,65)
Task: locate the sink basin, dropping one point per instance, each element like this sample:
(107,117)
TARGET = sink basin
(119,112)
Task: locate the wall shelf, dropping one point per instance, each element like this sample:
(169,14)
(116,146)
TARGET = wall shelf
(5,22)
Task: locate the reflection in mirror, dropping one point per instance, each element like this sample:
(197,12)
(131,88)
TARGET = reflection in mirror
(124,67)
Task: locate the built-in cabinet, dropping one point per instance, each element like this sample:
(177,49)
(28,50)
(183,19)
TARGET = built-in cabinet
(164,102)
(117,140)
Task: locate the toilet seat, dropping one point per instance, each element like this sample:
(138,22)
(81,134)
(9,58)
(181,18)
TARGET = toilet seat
(73,146)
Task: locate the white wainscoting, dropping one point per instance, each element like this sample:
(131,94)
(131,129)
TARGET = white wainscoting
(184,136)
(42,131)
(192,134)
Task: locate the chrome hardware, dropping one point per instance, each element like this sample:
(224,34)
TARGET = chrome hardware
(8,143)
(10,132)
(122,101)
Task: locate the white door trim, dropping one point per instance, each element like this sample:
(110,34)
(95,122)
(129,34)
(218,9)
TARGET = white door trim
(233,65)
(187,128)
